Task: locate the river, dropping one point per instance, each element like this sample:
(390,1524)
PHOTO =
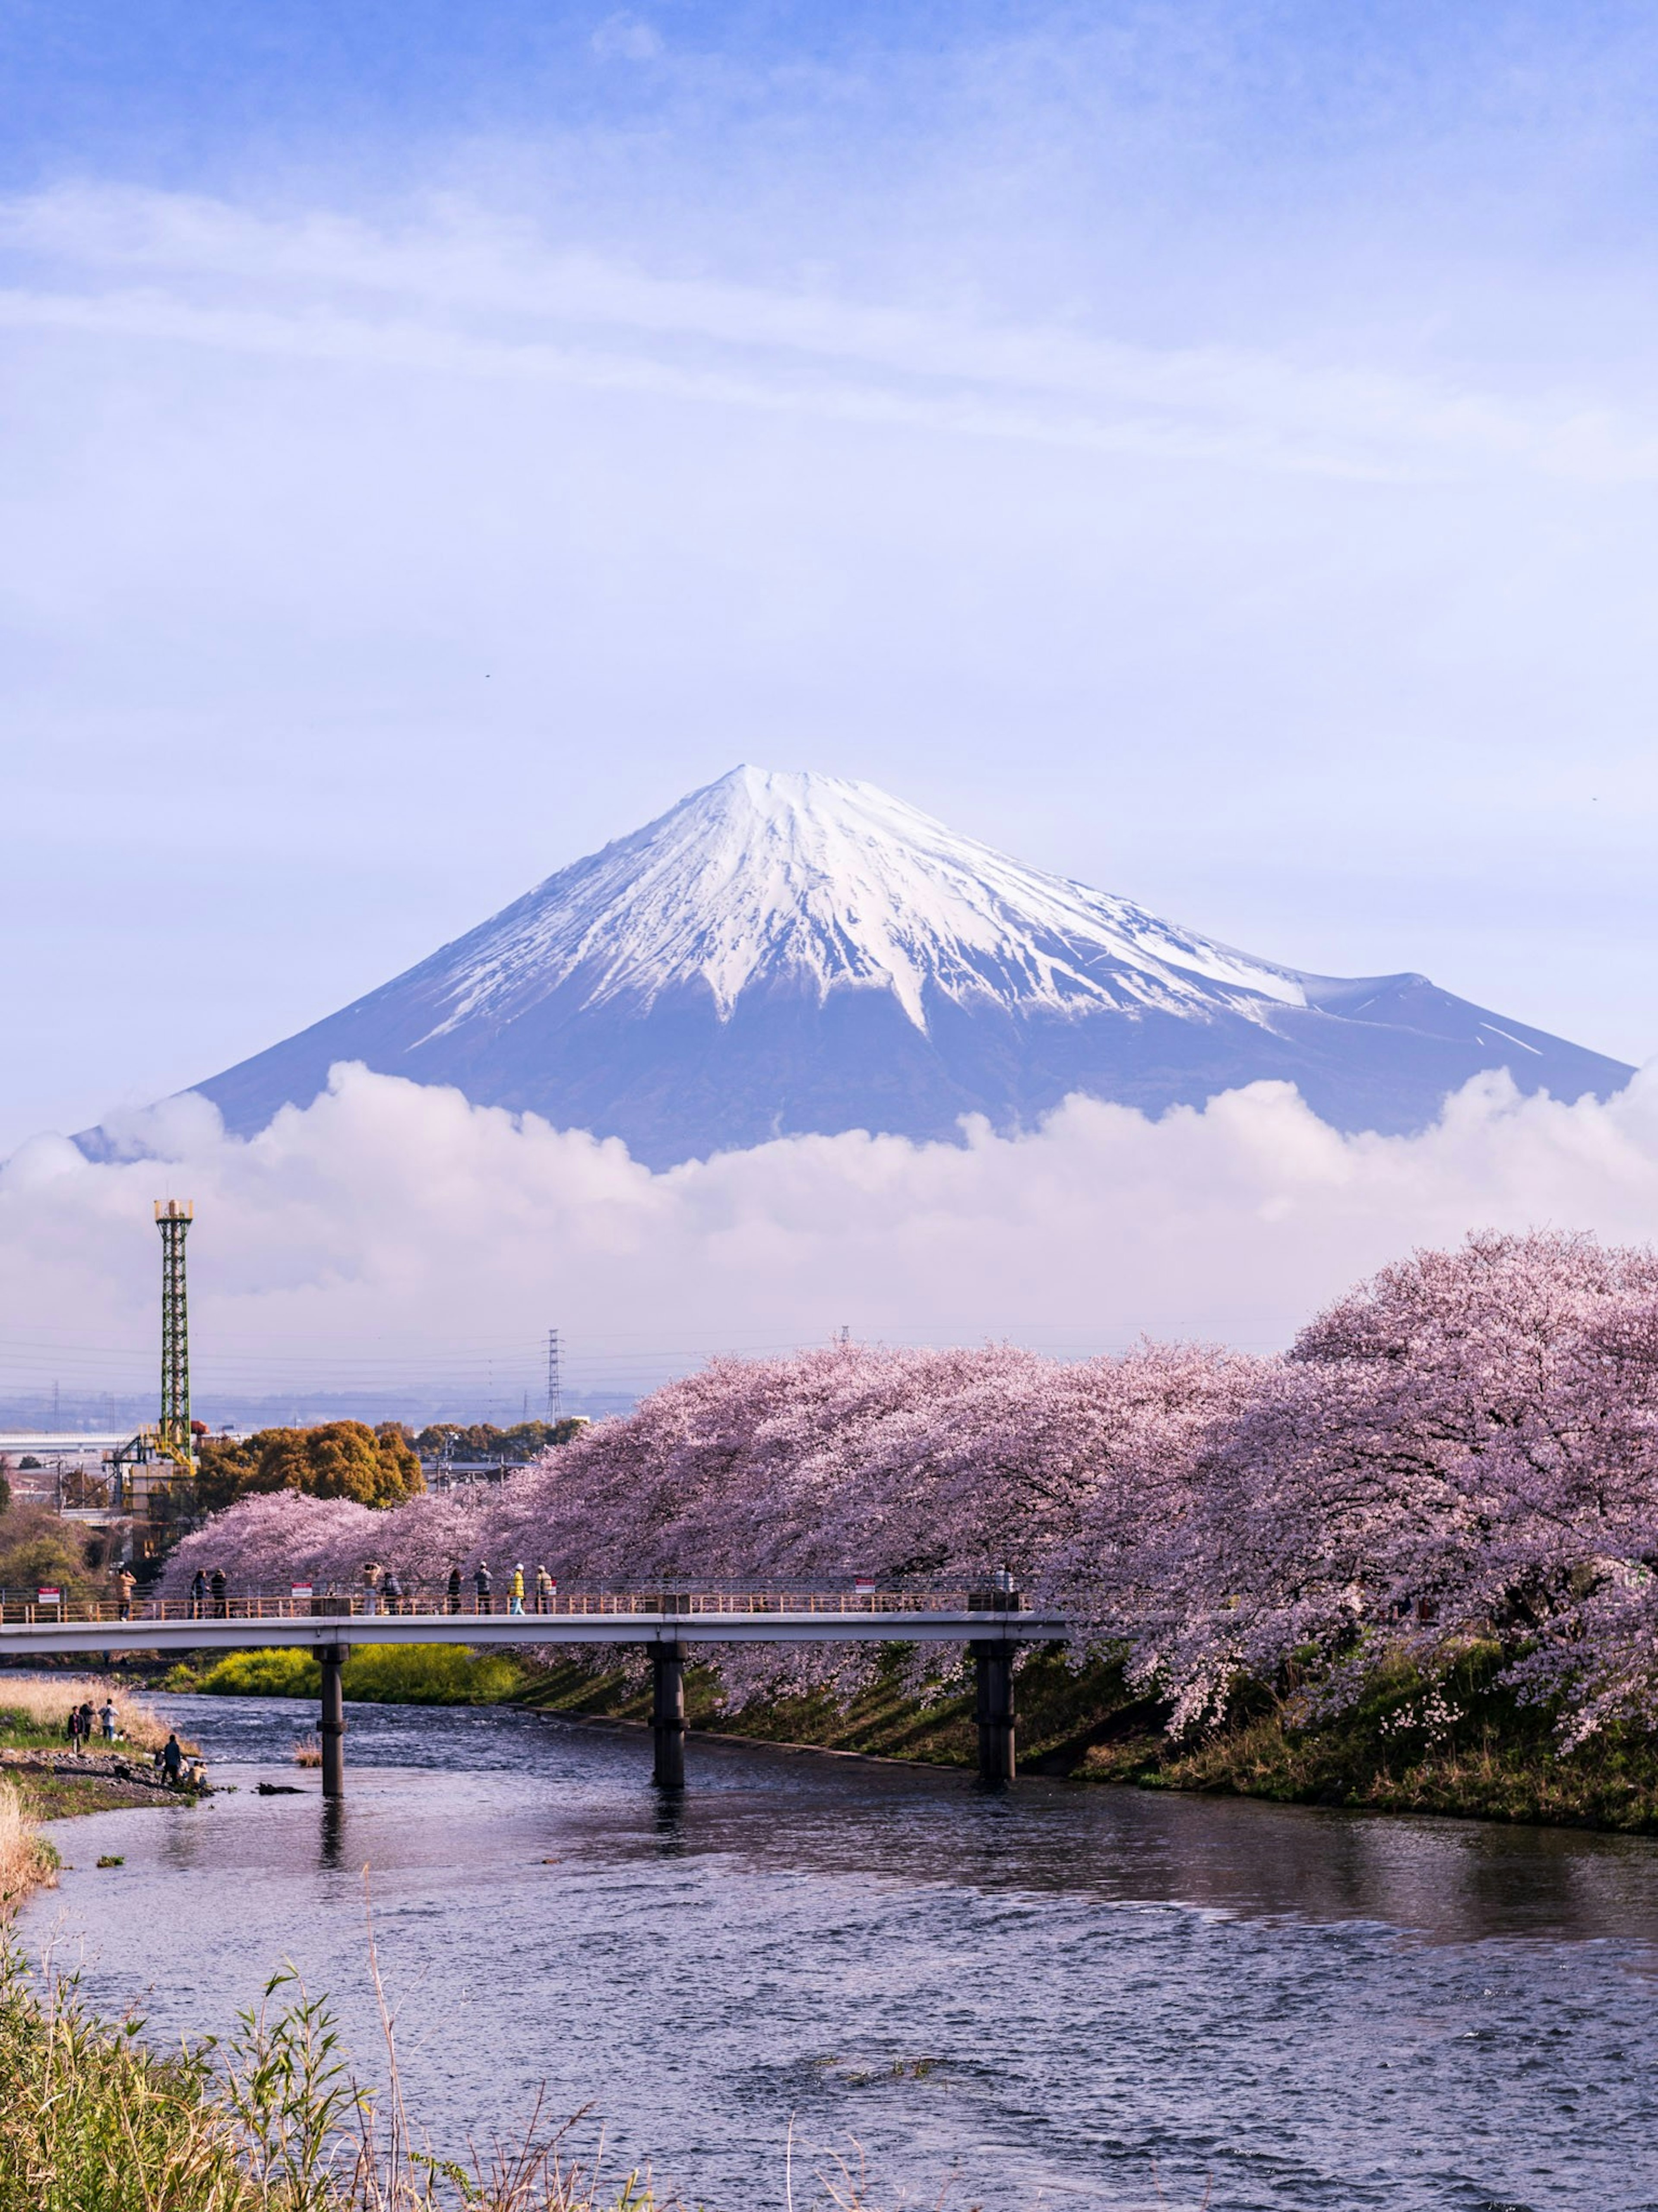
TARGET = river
(1029,2000)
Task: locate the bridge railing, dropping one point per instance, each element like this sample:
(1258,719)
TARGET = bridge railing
(20,1610)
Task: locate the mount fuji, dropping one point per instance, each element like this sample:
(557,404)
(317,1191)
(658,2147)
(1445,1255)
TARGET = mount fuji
(781,954)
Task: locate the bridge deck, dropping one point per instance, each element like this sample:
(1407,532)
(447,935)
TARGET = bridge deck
(243,1623)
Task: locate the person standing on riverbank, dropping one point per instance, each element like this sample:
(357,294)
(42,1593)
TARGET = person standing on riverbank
(107,1717)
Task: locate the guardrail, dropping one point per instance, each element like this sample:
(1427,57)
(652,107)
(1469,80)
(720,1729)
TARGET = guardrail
(16,1611)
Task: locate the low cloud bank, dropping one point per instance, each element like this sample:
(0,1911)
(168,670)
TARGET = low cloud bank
(392,1232)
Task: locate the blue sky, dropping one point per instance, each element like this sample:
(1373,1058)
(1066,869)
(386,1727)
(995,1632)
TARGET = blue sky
(1208,451)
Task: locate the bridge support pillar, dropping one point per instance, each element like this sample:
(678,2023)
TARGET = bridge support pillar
(993,1665)
(333,1657)
(668,1715)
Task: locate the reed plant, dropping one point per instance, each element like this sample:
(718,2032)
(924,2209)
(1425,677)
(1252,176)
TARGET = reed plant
(27,1861)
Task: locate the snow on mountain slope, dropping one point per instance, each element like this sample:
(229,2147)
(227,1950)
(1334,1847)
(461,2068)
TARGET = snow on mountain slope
(764,875)
(783,953)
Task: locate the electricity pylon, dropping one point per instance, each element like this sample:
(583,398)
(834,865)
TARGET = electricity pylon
(173,1217)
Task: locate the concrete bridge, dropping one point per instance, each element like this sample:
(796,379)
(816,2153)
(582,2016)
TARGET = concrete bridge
(671,1623)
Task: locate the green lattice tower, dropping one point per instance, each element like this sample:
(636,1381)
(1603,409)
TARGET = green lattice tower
(173,1217)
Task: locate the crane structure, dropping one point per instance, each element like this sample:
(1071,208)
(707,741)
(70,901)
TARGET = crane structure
(172,1217)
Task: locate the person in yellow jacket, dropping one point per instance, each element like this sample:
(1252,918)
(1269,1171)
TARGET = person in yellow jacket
(517,1605)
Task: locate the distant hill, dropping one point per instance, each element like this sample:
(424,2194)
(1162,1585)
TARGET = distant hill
(786,953)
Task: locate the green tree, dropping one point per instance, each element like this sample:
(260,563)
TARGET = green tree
(338,1459)
(37,1549)
(225,1466)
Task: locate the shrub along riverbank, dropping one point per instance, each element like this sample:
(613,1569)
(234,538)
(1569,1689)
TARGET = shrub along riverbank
(374,1674)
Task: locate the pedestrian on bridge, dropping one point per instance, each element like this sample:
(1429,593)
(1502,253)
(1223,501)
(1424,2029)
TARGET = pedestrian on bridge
(516,1603)
(218,1585)
(198,1595)
(483,1585)
(545,1589)
(125,1582)
(454,1589)
(391,1590)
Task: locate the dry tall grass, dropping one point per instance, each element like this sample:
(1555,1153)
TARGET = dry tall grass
(26,1862)
(46,1701)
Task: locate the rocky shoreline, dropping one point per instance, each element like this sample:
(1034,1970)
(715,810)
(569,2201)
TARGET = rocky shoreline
(91,1766)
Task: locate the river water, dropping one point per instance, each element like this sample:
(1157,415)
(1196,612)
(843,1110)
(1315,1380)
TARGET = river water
(1036,1999)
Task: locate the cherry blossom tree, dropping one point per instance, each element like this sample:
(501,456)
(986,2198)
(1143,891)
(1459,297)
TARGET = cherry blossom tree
(1462,1448)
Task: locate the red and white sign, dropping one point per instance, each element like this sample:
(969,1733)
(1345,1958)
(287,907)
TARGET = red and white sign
(864,1586)
(299,1589)
(48,1596)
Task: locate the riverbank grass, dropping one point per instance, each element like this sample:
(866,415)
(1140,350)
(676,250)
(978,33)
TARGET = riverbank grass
(34,1710)
(1456,1743)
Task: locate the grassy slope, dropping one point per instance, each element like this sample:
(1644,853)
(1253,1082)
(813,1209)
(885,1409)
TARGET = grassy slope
(62,1797)
(1476,1753)
(1061,1714)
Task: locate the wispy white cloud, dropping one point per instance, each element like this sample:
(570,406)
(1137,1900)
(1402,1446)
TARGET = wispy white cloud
(461,293)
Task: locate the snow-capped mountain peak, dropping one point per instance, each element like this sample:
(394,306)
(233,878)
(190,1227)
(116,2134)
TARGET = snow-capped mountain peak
(788,953)
(772,877)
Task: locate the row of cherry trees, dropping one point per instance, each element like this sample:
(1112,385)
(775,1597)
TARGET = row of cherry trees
(1465,1446)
